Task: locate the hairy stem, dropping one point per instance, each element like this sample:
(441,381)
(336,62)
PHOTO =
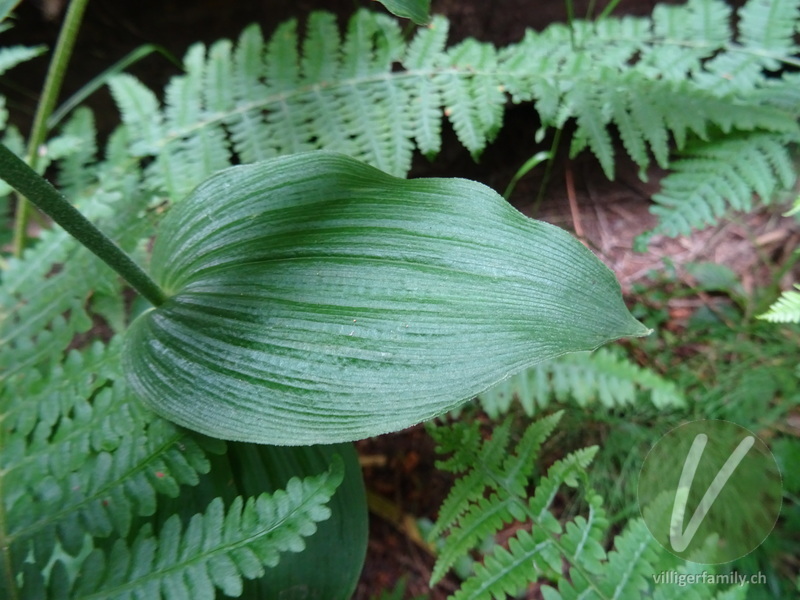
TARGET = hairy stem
(39,191)
(47,102)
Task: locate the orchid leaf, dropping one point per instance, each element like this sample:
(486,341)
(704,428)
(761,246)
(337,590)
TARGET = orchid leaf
(316,299)
(416,10)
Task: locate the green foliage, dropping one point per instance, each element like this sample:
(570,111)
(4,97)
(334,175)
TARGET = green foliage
(86,471)
(608,399)
(713,177)
(267,321)
(786,309)
(98,494)
(731,366)
(585,379)
(705,89)
(215,549)
(11,56)
(492,493)
(417,10)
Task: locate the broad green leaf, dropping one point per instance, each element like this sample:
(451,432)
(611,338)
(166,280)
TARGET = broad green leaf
(315,299)
(416,10)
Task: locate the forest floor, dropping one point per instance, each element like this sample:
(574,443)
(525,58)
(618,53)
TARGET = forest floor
(401,479)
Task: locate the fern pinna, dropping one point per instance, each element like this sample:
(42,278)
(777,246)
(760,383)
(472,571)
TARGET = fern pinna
(499,485)
(585,378)
(683,83)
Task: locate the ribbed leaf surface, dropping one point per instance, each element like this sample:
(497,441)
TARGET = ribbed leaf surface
(417,10)
(316,299)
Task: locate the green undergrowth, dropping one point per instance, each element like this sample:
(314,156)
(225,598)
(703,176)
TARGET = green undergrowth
(102,498)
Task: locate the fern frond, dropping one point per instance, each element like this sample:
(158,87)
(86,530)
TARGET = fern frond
(493,493)
(583,378)
(785,309)
(542,544)
(251,140)
(627,574)
(469,487)
(720,175)
(144,123)
(192,157)
(371,110)
(643,110)
(591,111)
(43,299)
(76,168)
(767,28)
(76,142)
(40,318)
(80,455)
(42,323)
(765,40)
(632,569)
(536,552)
(215,550)
(529,554)
(681,28)
(781,92)
(109,489)
(423,55)
(38,403)
(139,111)
(465,505)
(667,80)
(474,105)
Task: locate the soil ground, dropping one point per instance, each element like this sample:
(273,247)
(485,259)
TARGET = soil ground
(399,469)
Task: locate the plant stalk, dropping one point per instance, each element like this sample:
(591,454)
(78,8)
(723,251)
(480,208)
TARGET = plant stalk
(51,202)
(47,103)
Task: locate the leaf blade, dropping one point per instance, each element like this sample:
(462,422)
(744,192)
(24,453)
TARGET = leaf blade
(317,299)
(416,10)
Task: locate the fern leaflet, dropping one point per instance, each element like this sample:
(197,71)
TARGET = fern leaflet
(785,309)
(718,175)
(216,549)
(584,378)
(11,56)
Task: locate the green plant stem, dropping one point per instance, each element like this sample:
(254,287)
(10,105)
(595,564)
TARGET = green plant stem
(571,22)
(102,79)
(548,170)
(608,9)
(47,102)
(39,191)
